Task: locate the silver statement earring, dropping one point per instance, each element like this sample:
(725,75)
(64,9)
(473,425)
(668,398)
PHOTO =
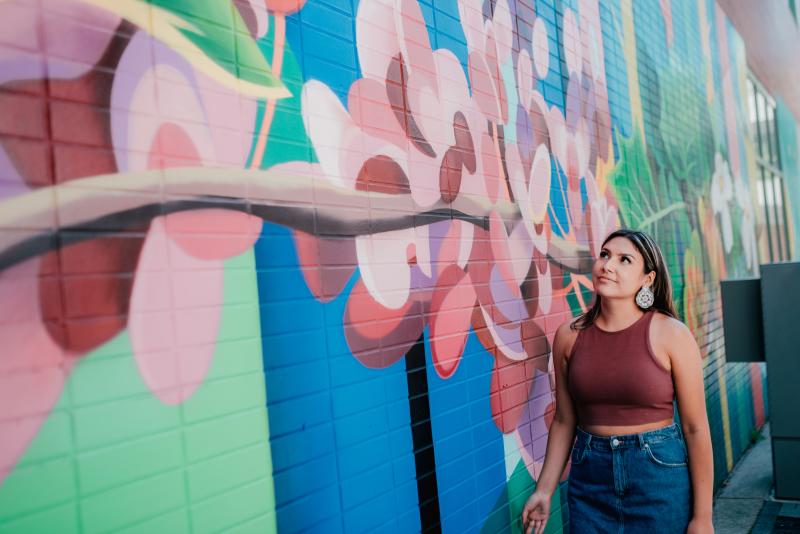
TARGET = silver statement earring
(645,297)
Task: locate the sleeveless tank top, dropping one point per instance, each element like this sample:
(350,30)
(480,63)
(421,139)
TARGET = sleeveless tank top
(615,379)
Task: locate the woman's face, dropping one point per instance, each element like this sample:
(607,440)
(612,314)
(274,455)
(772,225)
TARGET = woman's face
(618,272)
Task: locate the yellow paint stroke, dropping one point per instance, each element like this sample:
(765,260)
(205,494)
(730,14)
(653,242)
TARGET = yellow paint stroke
(269,113)
(166,26)
(631,63)
(603,169)
(726,426)
(705,42)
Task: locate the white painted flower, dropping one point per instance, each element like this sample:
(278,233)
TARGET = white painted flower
(541,48)
(721,196)
(748,228)
(532,192)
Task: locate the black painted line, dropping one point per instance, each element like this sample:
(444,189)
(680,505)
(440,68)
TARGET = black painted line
(422,437)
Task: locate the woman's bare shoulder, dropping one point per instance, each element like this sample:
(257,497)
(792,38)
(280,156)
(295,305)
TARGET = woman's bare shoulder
(668,326)
(565,338)
(669,333)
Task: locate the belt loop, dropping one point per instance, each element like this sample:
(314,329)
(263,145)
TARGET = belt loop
(640,438)
(588,441)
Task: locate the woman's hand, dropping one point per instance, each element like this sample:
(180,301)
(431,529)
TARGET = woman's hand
(536,512)
(700,526)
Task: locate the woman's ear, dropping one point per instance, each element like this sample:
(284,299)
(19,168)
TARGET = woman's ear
(651,278)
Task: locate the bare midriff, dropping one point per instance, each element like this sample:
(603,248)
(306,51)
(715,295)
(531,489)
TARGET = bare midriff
(622,430)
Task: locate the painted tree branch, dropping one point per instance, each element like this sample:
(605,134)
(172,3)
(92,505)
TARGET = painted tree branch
(74,211)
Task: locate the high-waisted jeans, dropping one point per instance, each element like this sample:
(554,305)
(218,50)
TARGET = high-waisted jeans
(630,484)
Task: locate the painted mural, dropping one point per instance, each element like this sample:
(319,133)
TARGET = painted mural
(285,266)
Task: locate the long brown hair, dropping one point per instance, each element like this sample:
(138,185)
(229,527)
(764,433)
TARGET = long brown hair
(653,261)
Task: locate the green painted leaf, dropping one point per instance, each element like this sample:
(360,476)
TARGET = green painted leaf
(210,35)
(654,203)
(685,126)
(217,28)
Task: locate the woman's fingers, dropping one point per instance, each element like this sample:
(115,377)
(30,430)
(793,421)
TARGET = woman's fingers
(541,522)
(531,526)
(534,517)
(528,523)
(535,524)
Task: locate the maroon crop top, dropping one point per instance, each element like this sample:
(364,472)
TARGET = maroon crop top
(615,379)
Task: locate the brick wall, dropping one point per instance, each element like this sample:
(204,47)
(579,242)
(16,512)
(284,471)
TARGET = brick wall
(289,266)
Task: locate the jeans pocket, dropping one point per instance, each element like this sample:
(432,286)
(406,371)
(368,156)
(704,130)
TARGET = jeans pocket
(578,452)
(667,453)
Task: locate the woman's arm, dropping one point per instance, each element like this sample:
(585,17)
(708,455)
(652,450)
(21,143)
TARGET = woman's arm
(687,374)
(559,439)
(562,432)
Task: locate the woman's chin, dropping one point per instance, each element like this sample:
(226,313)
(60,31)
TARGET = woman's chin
(602,290)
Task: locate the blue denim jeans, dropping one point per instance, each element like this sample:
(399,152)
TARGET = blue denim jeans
(633,483)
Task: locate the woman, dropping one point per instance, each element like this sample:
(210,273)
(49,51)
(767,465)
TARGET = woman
(618,368)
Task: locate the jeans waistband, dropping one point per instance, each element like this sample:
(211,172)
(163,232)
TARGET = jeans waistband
(609,443)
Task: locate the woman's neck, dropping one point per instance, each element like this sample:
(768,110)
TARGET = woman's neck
(617,314)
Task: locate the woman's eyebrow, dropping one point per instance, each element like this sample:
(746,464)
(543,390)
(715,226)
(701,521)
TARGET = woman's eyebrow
(624,255)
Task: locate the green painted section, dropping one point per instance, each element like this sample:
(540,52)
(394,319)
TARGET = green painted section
(288,140)
(655,203)
(219,31)
(507,513)
(112,457)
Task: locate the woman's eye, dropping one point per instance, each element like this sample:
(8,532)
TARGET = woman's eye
(603,254)
(626,259)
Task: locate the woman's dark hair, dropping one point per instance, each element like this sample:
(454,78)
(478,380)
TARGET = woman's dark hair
(653,261)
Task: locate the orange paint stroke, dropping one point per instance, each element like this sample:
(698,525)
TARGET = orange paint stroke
(269,113)
(561,292)
(577,287)
(583,279)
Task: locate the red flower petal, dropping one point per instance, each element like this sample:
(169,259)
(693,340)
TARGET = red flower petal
(379,336)
(327,263)
(510,386)
(451,312)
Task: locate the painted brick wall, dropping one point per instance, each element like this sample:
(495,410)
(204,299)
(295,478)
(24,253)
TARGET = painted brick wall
(289,266)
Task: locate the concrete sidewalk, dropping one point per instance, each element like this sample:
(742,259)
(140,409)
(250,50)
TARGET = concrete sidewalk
(745,503)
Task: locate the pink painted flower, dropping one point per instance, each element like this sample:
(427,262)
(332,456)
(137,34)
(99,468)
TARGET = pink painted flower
(489,42)
(580,138)
(411,127)
(42,336)
(162,281)
(176,299)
